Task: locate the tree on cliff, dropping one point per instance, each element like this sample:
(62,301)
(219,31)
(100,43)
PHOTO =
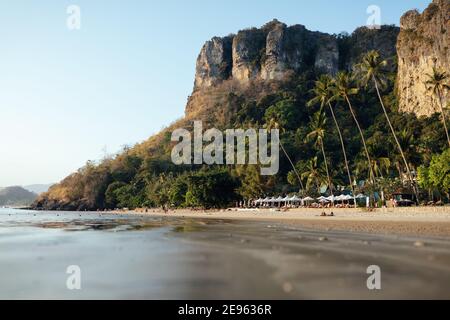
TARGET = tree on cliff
(437,85)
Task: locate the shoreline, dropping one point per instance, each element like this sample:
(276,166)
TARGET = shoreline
(429,221)
(404,221)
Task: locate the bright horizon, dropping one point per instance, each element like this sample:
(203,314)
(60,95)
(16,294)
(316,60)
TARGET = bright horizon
(66,95)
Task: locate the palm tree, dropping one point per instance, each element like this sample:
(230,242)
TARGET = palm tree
(317,134)
(437,84)
(372,68)
(323,95)
(343,90)
(274,124)
(314,174)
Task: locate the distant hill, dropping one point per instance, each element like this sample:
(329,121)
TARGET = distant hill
(16,196)
(38,188)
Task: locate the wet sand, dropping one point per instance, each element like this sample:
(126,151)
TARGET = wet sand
(433,222)
(137,256)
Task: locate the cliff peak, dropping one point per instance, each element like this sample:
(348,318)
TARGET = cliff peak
(273,53)
(266,53)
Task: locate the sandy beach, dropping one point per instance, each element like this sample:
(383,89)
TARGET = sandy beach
(421,221)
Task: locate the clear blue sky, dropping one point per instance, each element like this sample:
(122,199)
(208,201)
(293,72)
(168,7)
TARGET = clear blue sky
(65,95)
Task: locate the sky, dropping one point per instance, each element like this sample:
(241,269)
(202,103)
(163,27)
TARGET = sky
(68,96)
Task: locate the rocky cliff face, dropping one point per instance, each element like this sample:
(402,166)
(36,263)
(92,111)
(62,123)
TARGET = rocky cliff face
(274,52)
(264,54)
(423,43)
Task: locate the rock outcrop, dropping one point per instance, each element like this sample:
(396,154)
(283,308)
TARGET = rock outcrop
(423,43)
(214,62)
(272,54)
(268,53)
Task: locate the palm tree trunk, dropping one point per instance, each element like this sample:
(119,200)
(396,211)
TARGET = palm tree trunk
(396,140)
(326,168)
(293,166)
(369,162)
(443,116)
(343,151)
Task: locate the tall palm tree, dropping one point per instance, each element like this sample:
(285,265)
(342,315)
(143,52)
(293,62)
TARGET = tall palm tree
(372,69)
(437,85)
(344,89)
(317,134)
(323,95)
(274,124)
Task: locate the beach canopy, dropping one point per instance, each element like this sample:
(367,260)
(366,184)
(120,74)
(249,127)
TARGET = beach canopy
(330,198)
(287,199)
(279,199)
(295,199)
(321,198)
(361,196)
(308,199)
(348,197)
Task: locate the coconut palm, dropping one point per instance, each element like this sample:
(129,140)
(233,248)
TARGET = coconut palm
(344,89)
(314,174)
(317,134)
(274,124)
(381,165)
(437,85)
(323,95)
(372,69)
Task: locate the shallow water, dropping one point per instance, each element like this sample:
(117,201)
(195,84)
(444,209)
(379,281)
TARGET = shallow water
(137,257)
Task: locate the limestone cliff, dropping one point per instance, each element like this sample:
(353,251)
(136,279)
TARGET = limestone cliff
(267,53)
(423,43)
(267,56)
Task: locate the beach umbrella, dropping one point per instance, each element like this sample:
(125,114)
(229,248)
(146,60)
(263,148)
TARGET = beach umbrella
(361,196)
(330,199)
(321,198)
(279,199)
(348,198)
(308,199)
